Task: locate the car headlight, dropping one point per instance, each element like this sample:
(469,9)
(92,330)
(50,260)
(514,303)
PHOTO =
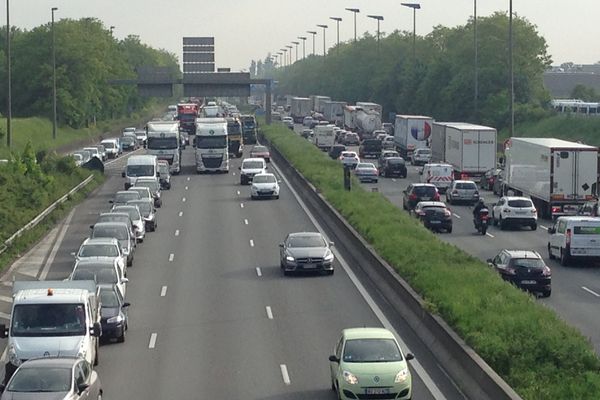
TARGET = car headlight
(13,357)
(289,258)
(115,320)
(81,353)
(350,378)
(329,256)
(401,376)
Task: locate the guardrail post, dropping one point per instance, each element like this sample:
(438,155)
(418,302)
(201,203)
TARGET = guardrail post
(347,180)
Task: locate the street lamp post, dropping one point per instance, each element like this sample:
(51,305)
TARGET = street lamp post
(279,59)
(284,57)
(415,7)
(296,44)
(53,76)
(379,18)
(324,28)
(337,20)
(290,54)
(476,95)
(112,28)
(314,34)
(9,79)
(303,38)
(355,11)
(510,62)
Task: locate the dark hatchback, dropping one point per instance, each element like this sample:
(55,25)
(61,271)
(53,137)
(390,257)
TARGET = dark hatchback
(525,269)
(113,313)
(434,215)
(370,148)
(417,192)
(393,166)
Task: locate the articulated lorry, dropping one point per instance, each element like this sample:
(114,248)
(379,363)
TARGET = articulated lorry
(316,103)
(470,149)
(349,117)
(187,114)
(411,132)
(301,108)
(211,145)
(558,175)
(333,111)
(163,140)
(248,129)
(367,121)
(235,137)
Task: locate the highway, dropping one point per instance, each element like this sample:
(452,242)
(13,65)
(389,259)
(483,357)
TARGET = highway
(575,289)
(212,315)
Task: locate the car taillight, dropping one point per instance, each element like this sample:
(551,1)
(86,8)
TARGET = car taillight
(534,211)
(546,271)
(422,213)
(555,209)
(412,196)
(507,210)
(568,237)
(436,197)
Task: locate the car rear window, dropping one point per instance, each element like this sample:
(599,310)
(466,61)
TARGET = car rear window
(396,161)
(586,230)
(466,185)
(527,262)
(520,203)
(424,190)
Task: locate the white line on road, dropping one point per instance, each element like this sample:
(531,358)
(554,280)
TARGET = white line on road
(163,291)
(251,243)
(258,271)
(423,374)
(242,205)
(171,257)
(186,188)
(245,222)
(180,213)
(284,374)
(269,312)
(57,244)
(177,232)
(489,234)
(393,179)
(543,227)
(456,215)
(5,316)
(183,199)
(238,192)
(6,299)
(590,291)
(152,343)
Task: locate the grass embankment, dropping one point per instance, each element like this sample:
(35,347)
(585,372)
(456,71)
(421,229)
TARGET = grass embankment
(538,354)
(565,126)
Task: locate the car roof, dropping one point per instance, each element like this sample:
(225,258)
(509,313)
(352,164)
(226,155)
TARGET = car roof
(523,253)
(423,184)
(517,198)
(300,234)
(96,261)
(349,153)
(144,188)
(431,204)
(367,333)
(122,214)
(265,174)
(253,159)
(125,207)
(91,241)
(111,224)
(463,181)
(579,218)
(365,164)
(146,179)
(51,362)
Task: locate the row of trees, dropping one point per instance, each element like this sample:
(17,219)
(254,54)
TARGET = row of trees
(87,59)
(439,79)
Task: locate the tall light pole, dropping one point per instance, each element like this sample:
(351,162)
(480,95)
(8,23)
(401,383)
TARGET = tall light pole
(510,62)
(314,34)
(337,21)
(296,44)
(303,38)
(476,95)
(324,28)
(112,28)
(53,76)
(415,7)
(290,54)
(354,10)
(279,59)
(379,18)
(9,78)
(284,57)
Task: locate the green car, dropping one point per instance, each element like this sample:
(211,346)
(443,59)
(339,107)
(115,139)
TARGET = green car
(368,364)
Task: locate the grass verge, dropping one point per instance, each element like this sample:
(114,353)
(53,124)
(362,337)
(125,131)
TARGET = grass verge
(564,126)
(538,354)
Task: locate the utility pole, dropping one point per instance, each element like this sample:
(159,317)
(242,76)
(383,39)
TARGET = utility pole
(379,18)
(303,38)
(296,44)
(314,34)
(510,61)
(415,7)
(9,78)
(337,20)
(355,11)
(324,46)
(290,50)
(476,98)
(53,76)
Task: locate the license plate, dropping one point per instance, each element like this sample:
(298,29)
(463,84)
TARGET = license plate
(435,222)
(426,198)
(528,282)
(377,391)
(309,266)
(521,212)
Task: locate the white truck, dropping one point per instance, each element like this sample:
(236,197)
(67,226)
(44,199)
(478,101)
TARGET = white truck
(164,141)
(211,111)
(470,149)
(558,175)
(367,120)
(211,145)
(333,111)
(367,106)
(52,318)
(301,107)
(349,116)
(411,132)
(324,137)
(316,102)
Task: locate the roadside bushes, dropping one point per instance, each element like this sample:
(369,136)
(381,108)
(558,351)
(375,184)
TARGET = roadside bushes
(539,355)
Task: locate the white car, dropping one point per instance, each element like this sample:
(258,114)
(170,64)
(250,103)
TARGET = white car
(513,210)
(264,185)
(574,238)
(112,147)
(288,121)
(421,156)
(349,159)
(94,152)
(102,248)
(251,167)
(139,226)
(78,159)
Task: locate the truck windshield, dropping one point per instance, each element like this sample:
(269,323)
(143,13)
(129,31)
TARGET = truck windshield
(169,143)
(234,129)
(211,142)
(48,320)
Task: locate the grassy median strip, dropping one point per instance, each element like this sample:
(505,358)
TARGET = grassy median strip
(538,354)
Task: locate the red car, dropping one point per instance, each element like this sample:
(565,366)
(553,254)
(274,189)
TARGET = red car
(260,152)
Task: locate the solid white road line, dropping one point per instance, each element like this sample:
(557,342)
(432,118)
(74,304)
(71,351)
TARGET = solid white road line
(171,257)
(393,179)
(163,291)
(6,299)
(489,234)
(183,199)
(543,227)
(5,316)
(242,205)
(258,271)
(251,243)
(245,222)
(152,343)
(590,291)
(284,374)
(427,380)
(57,244)
(269,312)
(180,213)
(456,215)
(177,232)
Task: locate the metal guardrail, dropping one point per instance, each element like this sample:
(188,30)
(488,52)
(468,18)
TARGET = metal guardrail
(34,222)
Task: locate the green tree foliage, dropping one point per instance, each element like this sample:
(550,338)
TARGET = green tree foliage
(585,93)
(87,58)
(439,81)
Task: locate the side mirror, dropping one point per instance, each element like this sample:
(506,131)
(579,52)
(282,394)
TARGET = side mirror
(124,280)
(123,174)
(489,261)
(240,168)
(281,245)
(404,191)
(111,202)
(126,304)
(333,358)
(145,145)
(331,244)
(3,331)
(157,174)
(81,387)
(73,253)
(91,226)
(2,387)
(551,231)
(96,329)
(409,356)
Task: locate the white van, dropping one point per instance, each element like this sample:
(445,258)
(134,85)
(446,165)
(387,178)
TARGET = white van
(574,238)
(441,175)
(140,166)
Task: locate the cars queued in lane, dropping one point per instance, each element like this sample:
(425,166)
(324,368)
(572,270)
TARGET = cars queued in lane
(306,252)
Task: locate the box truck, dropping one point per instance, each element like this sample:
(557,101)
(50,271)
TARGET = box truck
(558,175)
(300,108)
(411,132)
(333,111)
(316,102)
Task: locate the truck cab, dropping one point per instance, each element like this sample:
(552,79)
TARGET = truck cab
(235,137)
(249,128)
(211,144)
(163,140)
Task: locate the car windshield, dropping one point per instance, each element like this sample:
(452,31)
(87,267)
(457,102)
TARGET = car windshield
(98,250)
(424,190)
(127,139)
(390,154)
(145,207)
(93,273)
(527,263)
(126,196)
(153,185)
(434,209)
(398,161)
(423,152)
(113,218)
(306,241)
(57,319)
(371,350)
(365,166)
(134,214)
(443,171)
(264,179)
(259,149)
(345,154)
(110,231)
(142,192)
(108,298)
(40,379)
(252,165)
(109,145)
(520,203)
(465,185)
(140,170)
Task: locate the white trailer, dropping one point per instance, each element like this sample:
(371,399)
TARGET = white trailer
(349,116)
(411,132)
(300,108)
(333,111)
(558,175)
(316,102)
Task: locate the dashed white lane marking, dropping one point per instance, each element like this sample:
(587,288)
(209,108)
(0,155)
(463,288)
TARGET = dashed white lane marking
(251,243)
(5,316)
(590,291)
(543,227)
(186,188)
(233,174)
(171,257)
(269,312)
(258,271)
(163,291)
(6,299)
(183,199)
(284,374)
(242,205)
(456,215)
(188,178)
(489,234)
(180,213)
(393,179)
(177,232)
(54,250)
(152,343)
(238,192)
(245,222)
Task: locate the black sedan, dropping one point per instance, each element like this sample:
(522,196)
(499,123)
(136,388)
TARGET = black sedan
(416,192)
(306,252)
(434,215)
(525,269)
(113,313)
(393,166)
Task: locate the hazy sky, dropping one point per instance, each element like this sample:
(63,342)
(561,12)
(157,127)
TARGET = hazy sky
(249,29)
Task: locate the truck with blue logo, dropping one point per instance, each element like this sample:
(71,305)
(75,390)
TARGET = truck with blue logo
(412,132)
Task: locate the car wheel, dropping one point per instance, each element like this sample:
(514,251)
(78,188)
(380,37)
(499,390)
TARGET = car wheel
(502,224)
(404,205)
(564,258)
(286,273)
(494,220)
(546,293)
(375,181)
(449,230)
(121,339)
(533,226)
(333,386)
(277,197)
(253,197)
(550,255)
(130,262)
(96,357)
(329,272)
